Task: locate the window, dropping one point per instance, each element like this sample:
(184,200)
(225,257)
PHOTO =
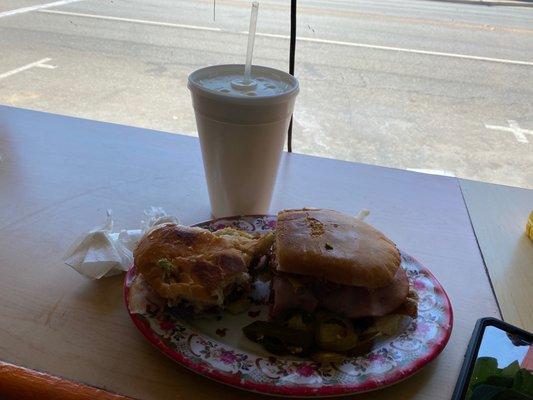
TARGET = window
(443,87)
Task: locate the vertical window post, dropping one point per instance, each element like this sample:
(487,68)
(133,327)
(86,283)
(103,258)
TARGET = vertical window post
(292,51)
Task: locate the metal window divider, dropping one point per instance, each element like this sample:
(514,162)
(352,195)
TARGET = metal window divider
(292,51)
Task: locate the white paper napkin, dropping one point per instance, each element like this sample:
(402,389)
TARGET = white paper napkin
(101,253)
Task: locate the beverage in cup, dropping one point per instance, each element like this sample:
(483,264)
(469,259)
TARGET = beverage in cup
(242,124)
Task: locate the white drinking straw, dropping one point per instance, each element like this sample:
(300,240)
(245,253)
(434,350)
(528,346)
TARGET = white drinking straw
(251,40)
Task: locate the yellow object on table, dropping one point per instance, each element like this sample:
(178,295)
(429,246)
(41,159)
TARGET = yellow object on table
(529,226)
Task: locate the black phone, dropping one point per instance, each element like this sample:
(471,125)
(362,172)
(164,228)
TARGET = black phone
(498,363)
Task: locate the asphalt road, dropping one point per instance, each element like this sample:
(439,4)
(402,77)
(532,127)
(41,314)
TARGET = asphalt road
(414,84)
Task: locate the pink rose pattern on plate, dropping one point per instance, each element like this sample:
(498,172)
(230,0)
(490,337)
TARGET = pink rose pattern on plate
(395,359)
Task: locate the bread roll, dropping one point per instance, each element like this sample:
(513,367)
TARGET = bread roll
(193,264)
(334,247)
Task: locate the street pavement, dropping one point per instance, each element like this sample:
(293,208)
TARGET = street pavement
(441,87)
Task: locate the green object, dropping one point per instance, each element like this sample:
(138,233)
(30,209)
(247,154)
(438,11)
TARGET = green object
(484,367)
(279,339)
(500,380)
(165,264)
(488,382)
(302,321)
(489,392)
(511,369)
(335,334)
(523,382)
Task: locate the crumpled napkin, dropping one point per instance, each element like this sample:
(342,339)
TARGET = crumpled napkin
(102,253)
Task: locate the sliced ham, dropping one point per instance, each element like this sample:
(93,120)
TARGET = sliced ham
(289,294)
(356,301)
(294,292)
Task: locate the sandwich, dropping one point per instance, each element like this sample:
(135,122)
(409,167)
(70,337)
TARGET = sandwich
(328,260)
(197,271)
(337,285)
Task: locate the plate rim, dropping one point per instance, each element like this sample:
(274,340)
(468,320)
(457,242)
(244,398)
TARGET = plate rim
(293,390)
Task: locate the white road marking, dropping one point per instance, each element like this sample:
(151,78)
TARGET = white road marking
(301,39)
(36,64)
(137,21)
(46,66)
(432,171)
(399,49)
(36,7)
(514,128)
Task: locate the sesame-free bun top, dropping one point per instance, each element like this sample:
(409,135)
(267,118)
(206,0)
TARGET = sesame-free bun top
(335,247)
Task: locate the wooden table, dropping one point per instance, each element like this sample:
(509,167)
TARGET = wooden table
(499,215)
(58,175)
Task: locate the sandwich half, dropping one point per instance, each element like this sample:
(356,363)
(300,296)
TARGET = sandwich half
(195,270)
(329,260)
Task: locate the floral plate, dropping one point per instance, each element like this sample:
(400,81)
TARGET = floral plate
(217,349)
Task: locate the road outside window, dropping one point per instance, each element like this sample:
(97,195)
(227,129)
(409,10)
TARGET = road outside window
(442,87)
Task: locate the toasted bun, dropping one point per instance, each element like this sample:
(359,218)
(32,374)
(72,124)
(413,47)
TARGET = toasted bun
(181,262)
(335,247)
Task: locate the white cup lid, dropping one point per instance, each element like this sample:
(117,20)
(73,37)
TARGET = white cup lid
(226,83)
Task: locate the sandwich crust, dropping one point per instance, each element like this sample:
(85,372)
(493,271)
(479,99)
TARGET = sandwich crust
(194,264)
(335,247)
